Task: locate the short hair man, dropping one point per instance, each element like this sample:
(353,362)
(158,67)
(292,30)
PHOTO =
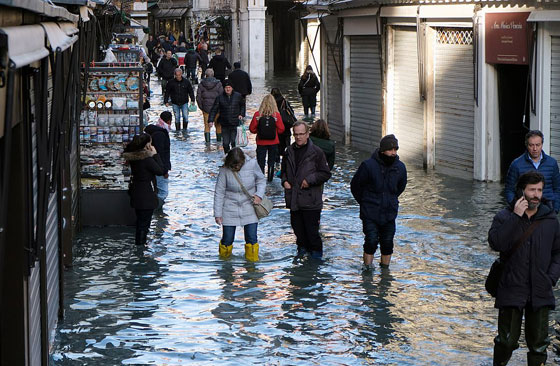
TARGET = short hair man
(178,91)
(165,68)
(206,93)
(219,63)
(160,140)
(230,107)
(535,159)
(532,269)
(240,80)
(377,185)
(304,172)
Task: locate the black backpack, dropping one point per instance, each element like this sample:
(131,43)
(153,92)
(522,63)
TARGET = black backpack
(266,129)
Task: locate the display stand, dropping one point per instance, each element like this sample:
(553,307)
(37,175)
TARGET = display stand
(111,116)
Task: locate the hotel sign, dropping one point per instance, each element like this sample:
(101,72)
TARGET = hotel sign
(507,38)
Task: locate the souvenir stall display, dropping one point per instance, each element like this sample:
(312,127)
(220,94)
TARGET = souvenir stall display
(126,53)
(111,116)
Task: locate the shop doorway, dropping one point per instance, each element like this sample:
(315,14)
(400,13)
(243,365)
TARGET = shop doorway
(284,34)
(513,103)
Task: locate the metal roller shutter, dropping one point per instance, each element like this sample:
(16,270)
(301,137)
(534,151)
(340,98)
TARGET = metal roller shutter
(52,251)
(555,99)
(75,174)
(34,315)
(454,104)
(334,92)
(408,109)
(365,92)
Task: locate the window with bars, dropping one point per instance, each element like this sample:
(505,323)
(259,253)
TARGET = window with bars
(460,36)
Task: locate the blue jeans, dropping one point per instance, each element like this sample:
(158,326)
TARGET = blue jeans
(250,234)
(163,190)
(181,109)
(191,74)
(378,234)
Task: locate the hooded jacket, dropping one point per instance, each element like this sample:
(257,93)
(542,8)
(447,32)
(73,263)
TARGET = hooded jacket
(313,168)
(178,91)
(191,59)
(548,168)
(206,93)
(219,63)
(241,82)
(534,268)
(377,187)
(160,140)
(230,107)
(145,165)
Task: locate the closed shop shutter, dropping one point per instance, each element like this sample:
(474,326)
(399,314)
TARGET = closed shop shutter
(555,99)
(334,92)
(52,252)
(75,174)
(408,109)
(34,315)
(454,104)
(365,92)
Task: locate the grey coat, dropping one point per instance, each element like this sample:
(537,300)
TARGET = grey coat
(230,202)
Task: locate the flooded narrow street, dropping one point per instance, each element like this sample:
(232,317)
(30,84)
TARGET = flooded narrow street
(174,302)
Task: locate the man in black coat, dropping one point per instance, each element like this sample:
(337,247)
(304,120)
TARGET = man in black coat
(240,80)
(231,107)
(219,63)
(377,185)
(160,140)
(192,59)
(304,172)
(178,91)
(531,270)
(165,68)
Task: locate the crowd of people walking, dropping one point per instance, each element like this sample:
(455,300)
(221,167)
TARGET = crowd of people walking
(526,233)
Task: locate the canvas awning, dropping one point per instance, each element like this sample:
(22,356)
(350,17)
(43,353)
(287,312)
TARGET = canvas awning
(544,16)
(26,44)
(58,39)
(173,13)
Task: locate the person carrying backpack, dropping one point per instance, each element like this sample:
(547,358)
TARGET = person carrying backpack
(267,124)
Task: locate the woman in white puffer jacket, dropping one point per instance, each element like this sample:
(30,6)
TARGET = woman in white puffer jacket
(232,207)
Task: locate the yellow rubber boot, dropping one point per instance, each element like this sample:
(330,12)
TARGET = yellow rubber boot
(252,252)
(225,251)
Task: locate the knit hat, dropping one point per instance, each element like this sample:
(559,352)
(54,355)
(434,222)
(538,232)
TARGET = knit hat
(227,83)
(388,142)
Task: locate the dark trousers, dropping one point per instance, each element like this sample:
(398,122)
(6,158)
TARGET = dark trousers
(272,151)
(191,74)
(309,102)
(284,143)
(509,331)
(143,221)
(229,134)
(375,234)
(306,228)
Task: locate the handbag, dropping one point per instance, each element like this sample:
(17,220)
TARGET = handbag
(287,118)
(497,268)
(192,107)
(261,209)
(241,140)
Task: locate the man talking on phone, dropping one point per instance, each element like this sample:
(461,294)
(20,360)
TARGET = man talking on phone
(527,235)
(535,159)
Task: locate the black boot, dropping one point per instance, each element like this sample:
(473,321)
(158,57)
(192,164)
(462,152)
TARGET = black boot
(185,125)
(207,137)
(270,173)
(141,237)
(178,126)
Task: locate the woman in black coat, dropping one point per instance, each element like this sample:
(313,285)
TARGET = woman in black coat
(308,88)
(145,164)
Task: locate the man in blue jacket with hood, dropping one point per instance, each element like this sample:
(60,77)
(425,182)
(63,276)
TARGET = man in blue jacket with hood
(535,159)
(376,186)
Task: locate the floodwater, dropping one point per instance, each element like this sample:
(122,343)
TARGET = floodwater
(174,302)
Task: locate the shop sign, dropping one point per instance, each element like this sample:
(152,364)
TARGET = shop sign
(506,38)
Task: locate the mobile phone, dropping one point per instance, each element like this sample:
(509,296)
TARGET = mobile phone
(520,194)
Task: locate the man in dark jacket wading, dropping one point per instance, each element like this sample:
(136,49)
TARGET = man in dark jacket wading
(206,93)
(304,171)
(160,140)
(531,270)
(240,80)
(179,90)
(230,106)
(535,159)
(165,68)
(376,186)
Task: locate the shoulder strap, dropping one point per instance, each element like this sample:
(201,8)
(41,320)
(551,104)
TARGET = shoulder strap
(524,237)
(241,184)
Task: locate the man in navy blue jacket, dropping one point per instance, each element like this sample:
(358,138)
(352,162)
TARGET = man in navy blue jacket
(535,159)
(376,186)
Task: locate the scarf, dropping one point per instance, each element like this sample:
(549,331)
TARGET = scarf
(162,124)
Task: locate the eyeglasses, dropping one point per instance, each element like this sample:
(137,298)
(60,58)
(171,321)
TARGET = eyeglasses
(300,134)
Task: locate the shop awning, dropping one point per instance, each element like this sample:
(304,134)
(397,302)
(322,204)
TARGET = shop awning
(544,16)
(26,44)
(68,28)
(57,38)
(173,13)
(315,15)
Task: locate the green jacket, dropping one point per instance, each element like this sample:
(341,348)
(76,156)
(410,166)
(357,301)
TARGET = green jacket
(328,148)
